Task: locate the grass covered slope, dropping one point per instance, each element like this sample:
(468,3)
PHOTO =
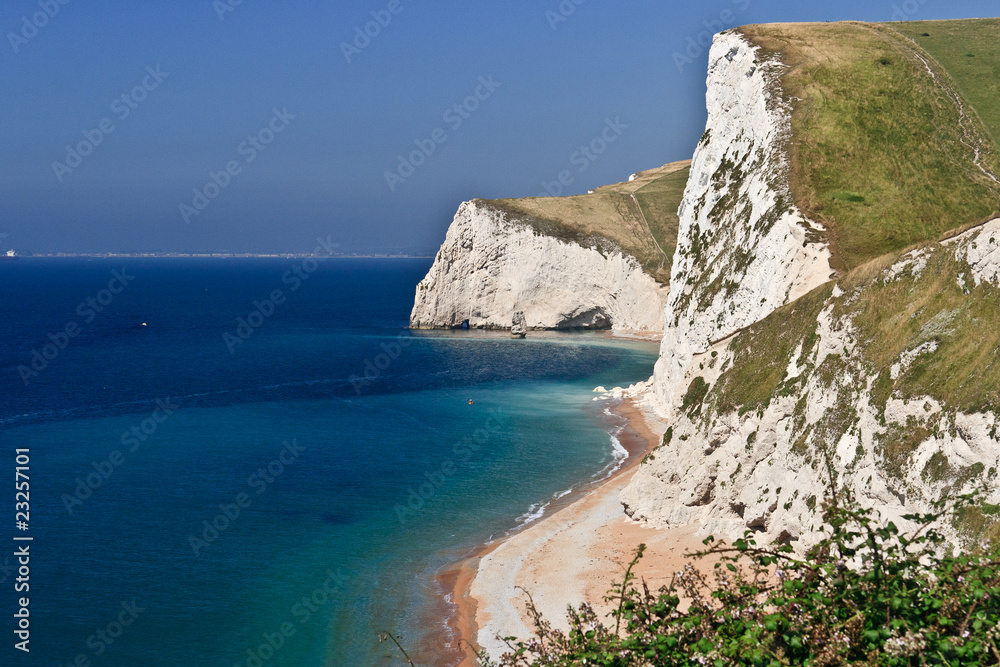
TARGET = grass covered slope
(933,300)
(916,326)
(970,52)
(889,150)
(881,153)
(936,304)
(639,217)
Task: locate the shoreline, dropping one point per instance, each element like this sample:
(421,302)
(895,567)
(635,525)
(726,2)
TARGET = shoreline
(572,554)
(455,581)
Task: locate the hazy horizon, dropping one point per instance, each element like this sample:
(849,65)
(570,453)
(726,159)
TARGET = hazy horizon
(223,127)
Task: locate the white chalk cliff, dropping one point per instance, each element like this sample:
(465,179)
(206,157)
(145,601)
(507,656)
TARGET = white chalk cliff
(742,249)
(743,252)
(489,267)
(763,467)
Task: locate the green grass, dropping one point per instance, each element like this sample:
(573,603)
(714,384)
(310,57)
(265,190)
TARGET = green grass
(897,446)
(763,352)
(876,146)
(887,319)
(964,371)
(639,217)
(696,393)
(659,201)
(970,51)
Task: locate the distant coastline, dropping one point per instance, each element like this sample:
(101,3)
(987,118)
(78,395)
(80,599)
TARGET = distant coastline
(227,255)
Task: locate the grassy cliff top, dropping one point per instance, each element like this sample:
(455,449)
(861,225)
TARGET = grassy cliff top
(639,217)
(892,144)
(969,49)
(892,140)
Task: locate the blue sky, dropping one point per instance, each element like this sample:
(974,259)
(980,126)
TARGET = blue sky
(198,126)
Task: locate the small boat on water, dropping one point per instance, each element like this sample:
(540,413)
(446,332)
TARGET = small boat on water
(9,256)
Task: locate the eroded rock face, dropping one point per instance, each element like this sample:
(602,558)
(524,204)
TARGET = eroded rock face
(519,325)
(767,468)
(743,249)
(742,253)
(490,267)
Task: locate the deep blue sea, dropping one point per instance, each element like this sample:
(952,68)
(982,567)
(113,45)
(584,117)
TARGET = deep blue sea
(210,486)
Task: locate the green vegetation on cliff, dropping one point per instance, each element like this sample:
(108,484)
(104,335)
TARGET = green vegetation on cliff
(885,150)
(762,352)
(969,50)
(638,217)
(941,309)
(919,330)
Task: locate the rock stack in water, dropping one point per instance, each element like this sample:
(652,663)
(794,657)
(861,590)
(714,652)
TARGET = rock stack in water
(519,325)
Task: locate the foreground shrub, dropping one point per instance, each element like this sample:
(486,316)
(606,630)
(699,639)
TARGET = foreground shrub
(865,595)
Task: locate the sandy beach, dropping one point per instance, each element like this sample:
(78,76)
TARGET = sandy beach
(570,556)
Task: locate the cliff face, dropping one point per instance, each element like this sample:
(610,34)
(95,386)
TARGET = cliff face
(776,374)
(489,267)
(774,378)
(858,379)
(742,248)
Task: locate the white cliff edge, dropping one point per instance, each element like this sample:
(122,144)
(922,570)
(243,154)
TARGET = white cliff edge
(742,249)
(743,252)
(489,267)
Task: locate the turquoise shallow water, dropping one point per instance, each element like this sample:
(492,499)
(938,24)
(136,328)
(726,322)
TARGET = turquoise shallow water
(273,509)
